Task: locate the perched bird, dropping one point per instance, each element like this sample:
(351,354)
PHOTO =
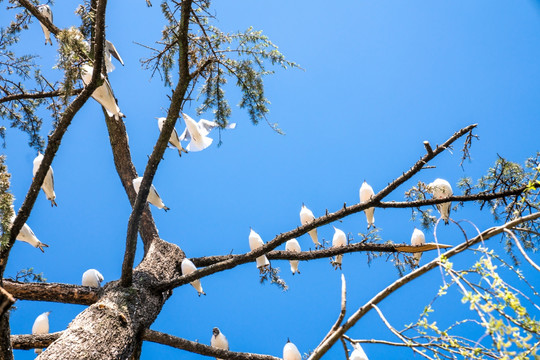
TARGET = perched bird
(48,182)
(417,238)
(219,340)
(41,326)
(103,94)
(196,133)
(441,189)
(110,51)
(45,10)
(306,216)
(92,278)
(174,140)
(290,351)
(187,268)
(256,242)
(358,353)
(153,196)
(366,193)
(294,246)
(27,235)
(339,239)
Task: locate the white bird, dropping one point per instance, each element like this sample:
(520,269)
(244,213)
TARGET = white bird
(294,246)
(306,216)
(27,235)
(358,353)
(48,182)
(45,10)
(196,133)
(110,51)
(219,340)
(187,268)
(441,189)
(339,239)
(41,326)
(417,238)
(255,242)
(366,193)
(103,94)
(174,140)
(92,278)
(153,196)
(290,351)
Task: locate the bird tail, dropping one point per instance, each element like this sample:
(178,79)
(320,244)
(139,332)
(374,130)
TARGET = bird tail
(41,245)
(53,203)
(166,208)
(198,146)
(314,236)
(182,150)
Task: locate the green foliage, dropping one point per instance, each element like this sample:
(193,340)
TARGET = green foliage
(28,275)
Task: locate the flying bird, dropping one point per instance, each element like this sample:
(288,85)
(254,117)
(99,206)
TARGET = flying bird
(366,193)
(306,216)
(92,278)
(294,246)
(45,10)
(27,235)
(290,351)
(358,353)
(111,51)
(196,133)
(103,94)
(441,189)
(187,268)
(48,182)
(255,242)
(41,326)
(219,340)
(153,196)
(417,238)
(339,239)
(174,140)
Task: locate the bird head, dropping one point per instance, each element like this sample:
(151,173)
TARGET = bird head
(215,331)
(47,313)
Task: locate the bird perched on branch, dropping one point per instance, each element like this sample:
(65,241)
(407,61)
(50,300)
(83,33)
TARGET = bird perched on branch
(103,94)
(153,196)
(417,238)
(92,278)
(339,239)
(441,189)
(366,193)
(294,246)
(196,133)
(174,140)
(187,268)
(41,326)
(290,351)
(255,242)
(46,11)
(306,216)
(219,340)
(48,182)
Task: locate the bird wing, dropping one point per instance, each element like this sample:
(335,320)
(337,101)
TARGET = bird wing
(175,135)
(114,52)
(186,136)
(205,126)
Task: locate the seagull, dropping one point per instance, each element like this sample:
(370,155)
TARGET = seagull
(48,183)
(41,326)
(196,133)
(110,51)
(290,351)
(219,340)
(153,196)
(103,94)
(306,216)
(45,10)
(92,278)
(173,140)
(294,246)
(441,189)
(256,242)
(417,238)
(366,193)
(358,353)
(27,235)
(339,239)
(187,268)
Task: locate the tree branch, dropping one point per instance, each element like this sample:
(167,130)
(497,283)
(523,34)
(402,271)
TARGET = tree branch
(37,95)
(54,292)
(42,19)
(6,300)
(325,345)
(518,244)
(343,308)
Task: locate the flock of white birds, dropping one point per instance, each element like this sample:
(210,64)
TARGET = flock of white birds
(197,135)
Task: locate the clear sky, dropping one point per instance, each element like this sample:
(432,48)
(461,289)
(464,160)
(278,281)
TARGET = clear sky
(380,77)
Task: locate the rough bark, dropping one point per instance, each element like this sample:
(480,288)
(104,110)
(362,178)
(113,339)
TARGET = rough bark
(55,292)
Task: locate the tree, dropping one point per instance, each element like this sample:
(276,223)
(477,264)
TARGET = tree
(195,56)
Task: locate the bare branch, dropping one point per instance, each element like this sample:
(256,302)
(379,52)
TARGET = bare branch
(343,307)
(42,19)
(6,300)
(518,244)
(55,292)
(37,95)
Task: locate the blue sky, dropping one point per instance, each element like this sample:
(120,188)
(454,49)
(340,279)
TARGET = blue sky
(380,77)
